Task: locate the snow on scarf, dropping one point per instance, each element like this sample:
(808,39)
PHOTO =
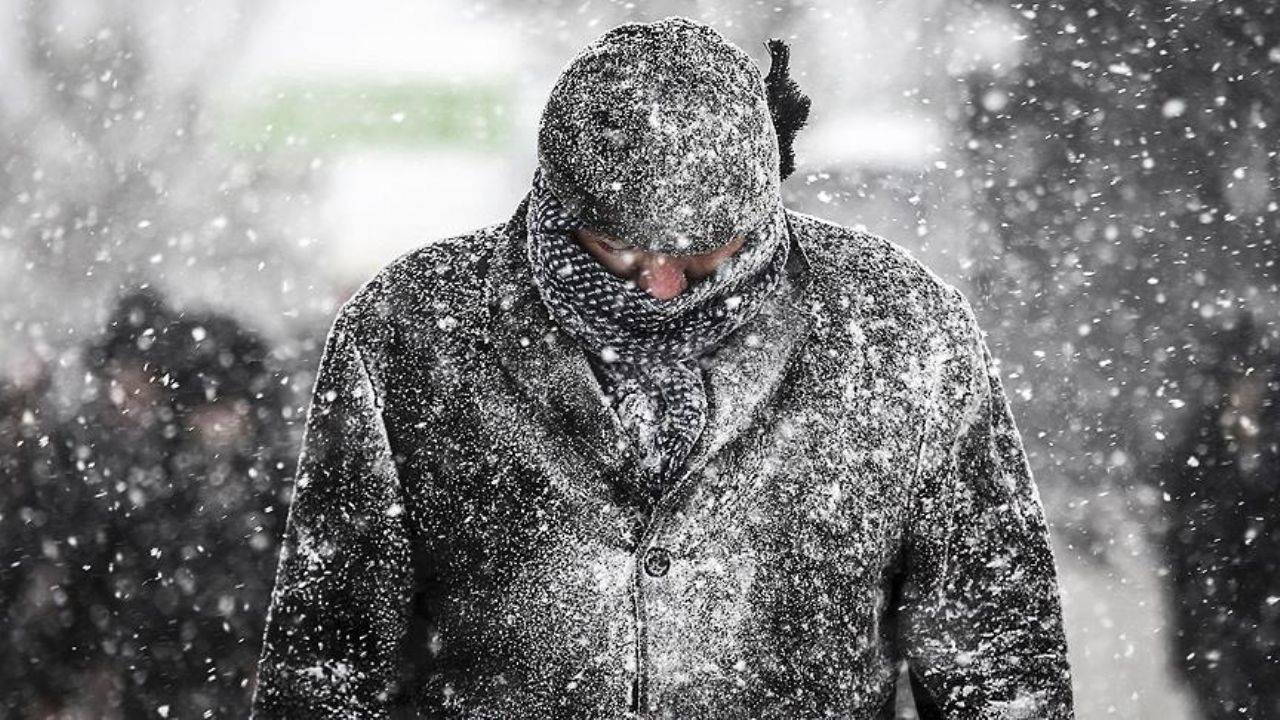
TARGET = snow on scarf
(645,351)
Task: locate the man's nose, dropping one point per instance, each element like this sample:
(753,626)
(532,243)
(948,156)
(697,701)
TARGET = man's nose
(661,276)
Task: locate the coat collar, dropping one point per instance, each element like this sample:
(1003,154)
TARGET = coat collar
(552,370)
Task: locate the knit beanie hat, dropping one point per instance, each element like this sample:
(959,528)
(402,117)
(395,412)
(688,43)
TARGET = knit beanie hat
(666,136)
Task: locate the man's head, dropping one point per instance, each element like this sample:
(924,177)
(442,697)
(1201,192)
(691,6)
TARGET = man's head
(660,136)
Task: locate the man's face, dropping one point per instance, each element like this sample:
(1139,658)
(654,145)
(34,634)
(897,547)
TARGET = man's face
(661,275)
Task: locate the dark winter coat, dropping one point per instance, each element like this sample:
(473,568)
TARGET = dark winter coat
(466,539)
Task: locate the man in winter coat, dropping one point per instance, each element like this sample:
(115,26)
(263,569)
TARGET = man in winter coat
(658,446)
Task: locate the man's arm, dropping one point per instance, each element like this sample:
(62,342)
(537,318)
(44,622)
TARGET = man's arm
(338,612)
(981,618)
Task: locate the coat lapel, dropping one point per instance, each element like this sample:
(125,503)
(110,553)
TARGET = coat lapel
(751,364)
(547,366)
(552,370)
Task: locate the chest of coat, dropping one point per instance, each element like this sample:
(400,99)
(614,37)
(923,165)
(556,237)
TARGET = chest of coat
(814,487)
(545,559)
(822,470)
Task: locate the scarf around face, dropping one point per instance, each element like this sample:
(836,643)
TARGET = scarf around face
(644,351)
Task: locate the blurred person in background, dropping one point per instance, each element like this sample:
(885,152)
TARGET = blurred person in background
(44,631)
(1223,531)
(159,522)
(659,446)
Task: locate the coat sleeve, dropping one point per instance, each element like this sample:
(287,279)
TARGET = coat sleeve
(339,608)
(981,617)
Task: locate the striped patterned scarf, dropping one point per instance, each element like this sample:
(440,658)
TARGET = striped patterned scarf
(646,351)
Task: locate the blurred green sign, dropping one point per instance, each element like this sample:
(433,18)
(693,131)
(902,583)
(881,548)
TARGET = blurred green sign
(334,115)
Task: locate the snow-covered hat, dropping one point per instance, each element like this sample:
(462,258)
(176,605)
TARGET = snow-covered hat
(663,135)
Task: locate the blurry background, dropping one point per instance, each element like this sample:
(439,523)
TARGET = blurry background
(188,191)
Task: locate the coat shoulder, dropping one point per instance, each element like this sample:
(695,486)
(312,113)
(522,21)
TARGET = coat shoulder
(435,288)
(846,258)
(858,273)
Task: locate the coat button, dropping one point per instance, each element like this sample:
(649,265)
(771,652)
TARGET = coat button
(657,562)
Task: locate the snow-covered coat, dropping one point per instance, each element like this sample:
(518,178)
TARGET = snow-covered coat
(467,539)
